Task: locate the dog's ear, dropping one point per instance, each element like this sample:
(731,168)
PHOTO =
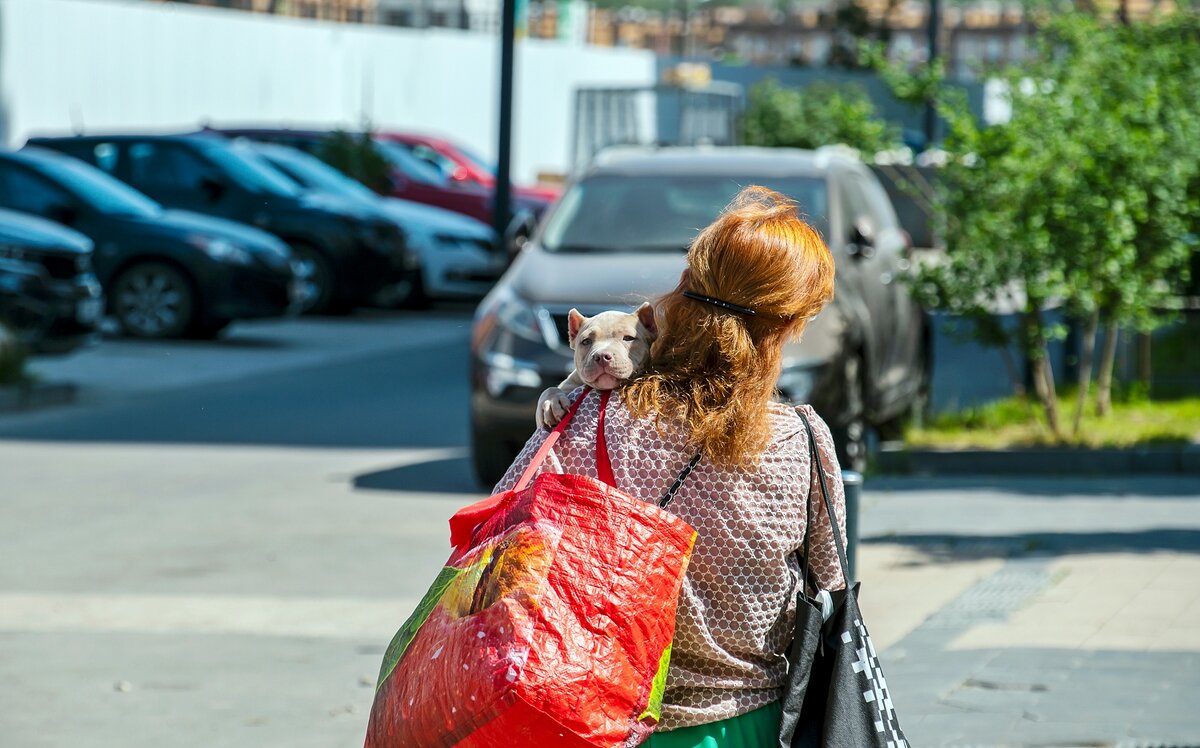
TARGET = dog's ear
(575,321)
(645,315)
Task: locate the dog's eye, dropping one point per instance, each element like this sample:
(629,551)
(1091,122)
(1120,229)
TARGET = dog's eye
(586,341)
(630,338)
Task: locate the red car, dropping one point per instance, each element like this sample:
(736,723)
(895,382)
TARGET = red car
(460,163)
(412,178)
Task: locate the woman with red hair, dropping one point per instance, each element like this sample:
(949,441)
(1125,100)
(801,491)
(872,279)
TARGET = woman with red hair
(754,278)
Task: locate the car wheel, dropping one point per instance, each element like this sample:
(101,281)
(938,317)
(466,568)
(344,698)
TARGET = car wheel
(323,280)
(850,430)
(153,300)
(490,457)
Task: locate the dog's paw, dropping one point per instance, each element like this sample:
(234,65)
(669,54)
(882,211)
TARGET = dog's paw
(552,406)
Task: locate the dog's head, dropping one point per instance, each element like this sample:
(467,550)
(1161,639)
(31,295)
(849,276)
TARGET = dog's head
(611,346)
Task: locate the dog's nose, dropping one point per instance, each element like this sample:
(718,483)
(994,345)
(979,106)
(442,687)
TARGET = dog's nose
(605,356)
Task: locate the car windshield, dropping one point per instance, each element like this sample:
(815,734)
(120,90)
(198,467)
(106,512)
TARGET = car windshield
(102,193)
(315,174)
(250,170)
(612,213)
(409,165)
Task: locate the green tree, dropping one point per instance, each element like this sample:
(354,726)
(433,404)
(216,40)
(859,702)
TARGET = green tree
(1083,199)
(820,114)
(357,155)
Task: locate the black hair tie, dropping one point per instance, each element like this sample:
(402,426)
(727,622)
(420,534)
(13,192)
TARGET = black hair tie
(730,306)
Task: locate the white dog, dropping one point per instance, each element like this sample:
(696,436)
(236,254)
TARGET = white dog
(609,348)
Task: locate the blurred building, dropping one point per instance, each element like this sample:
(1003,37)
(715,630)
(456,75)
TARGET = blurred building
(345,11)
(817,33)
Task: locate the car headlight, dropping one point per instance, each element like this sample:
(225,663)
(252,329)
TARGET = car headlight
(222,250)
(514,314)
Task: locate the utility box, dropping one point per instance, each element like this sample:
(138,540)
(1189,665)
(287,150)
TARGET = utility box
(680,113)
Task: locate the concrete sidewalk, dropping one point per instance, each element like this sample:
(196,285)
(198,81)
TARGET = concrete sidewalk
(1024,612)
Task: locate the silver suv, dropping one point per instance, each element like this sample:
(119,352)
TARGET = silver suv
(618,237)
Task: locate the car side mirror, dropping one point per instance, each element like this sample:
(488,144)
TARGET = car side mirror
(518,232)
(212,187)
(862,239)
(63,213)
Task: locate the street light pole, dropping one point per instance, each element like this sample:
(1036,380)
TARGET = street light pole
(935,22)
(502,204)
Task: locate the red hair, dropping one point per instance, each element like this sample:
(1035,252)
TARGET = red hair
(714,370)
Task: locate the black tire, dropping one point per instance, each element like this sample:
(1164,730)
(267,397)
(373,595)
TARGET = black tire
(490,458)
(323,279)
(208,328)
(410,295)
(154,300)
(417,297)
(850,430)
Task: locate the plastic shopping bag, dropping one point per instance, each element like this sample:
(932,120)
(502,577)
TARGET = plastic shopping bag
(550,624)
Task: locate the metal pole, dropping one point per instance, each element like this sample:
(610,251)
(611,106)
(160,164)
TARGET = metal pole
(853,484)
(502,204)
(935,22)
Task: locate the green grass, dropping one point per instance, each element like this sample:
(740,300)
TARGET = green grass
(1019,422)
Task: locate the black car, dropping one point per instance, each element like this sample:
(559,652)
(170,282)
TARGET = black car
(165,273)
(619,236)
(49,295)
(354,254)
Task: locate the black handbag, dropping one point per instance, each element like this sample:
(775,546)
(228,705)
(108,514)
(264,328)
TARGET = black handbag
(836,695)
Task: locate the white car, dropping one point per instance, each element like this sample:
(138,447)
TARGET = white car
(456,253)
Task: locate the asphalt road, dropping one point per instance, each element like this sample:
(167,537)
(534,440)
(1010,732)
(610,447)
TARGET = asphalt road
(214,546)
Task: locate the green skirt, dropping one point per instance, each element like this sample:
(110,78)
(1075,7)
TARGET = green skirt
(756,729)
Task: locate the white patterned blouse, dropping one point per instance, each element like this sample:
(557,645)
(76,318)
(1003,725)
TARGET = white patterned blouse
(737,608)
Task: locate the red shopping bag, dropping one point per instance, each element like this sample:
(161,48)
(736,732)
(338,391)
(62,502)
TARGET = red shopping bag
(550,624)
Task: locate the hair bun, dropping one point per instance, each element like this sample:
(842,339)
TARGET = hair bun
(761,202)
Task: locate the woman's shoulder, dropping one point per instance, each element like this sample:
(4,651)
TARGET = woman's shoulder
(787,423)
(788,431)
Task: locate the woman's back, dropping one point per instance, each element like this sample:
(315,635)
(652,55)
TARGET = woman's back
(736,610)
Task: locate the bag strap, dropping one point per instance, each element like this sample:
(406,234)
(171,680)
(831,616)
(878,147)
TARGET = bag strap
(674,489)
(837,536)
(603,465)
(540,456)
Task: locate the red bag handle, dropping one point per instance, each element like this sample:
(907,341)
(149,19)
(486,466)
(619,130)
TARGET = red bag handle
(540,456)
(603,466)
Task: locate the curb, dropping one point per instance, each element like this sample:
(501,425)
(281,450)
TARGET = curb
(33,395)
(1183,460)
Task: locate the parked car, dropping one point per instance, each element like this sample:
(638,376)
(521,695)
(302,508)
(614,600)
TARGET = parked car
(456,254)
(460,163)
(166,273)
(412,178)
(49,295)
(353,254)
(618,237)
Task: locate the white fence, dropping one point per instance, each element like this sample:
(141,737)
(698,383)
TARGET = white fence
(108,65)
